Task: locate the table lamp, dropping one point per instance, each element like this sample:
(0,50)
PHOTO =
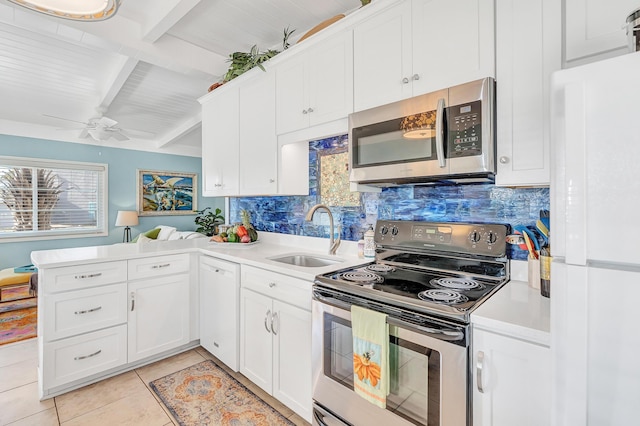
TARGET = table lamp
(127,218)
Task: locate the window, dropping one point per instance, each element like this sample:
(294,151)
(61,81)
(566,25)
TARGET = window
(51,199)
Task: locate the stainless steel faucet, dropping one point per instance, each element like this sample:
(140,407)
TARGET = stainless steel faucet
(333,245)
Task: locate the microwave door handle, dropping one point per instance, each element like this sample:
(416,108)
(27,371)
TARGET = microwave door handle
(440,133)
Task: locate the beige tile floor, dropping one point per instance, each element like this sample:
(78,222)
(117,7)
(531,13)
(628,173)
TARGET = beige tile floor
(125,399)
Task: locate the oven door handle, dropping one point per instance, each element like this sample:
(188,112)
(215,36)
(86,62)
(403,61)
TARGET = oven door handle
(444,334)
(450,335)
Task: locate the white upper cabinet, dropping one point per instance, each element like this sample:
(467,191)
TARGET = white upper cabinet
(594,29)
(257,164)
(421,46)
(220,142)
(316,86)
(524,63)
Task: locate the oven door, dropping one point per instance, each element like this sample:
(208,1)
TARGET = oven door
(428,383)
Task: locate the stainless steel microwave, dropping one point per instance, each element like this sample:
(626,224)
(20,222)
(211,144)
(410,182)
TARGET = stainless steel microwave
(448,135)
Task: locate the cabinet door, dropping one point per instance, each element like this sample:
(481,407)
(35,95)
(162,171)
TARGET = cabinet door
(525,61)
(292,357)
(158,315)
(256,348)
(515,378)
(594,29)
(453,43)
(382,58)
(292,100)
(330,82)
(220,143)
(258,142)
(219,302)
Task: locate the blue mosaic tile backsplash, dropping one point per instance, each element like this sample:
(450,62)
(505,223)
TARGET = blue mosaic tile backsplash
(483,203)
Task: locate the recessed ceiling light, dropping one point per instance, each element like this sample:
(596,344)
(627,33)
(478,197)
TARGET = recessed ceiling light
(86,10)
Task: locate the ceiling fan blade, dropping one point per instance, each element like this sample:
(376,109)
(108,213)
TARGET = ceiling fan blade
(66,119)
(98,134)
(106,122)
(119,136)
(84,133)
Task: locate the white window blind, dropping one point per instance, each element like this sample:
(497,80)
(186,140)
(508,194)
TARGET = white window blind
(41,198)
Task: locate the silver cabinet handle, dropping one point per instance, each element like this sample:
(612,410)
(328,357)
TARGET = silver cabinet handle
(84,277)
(275,324)
(440,133)
(267,318)
(218,185)
(416,77)
(133,301)
(479,367)
(164,265)
(78,358)
(304,111)
(272,285)
(504,160)
(88,310)
(272,180)
(405,80)
(310,110)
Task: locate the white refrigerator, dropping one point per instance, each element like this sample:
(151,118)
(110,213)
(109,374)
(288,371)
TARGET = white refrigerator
(595,243)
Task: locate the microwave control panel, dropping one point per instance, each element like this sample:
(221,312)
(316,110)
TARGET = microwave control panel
(465,130)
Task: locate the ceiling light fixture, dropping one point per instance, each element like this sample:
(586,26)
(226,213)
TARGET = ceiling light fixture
(86,10)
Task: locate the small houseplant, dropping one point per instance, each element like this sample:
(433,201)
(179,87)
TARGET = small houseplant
(208,221)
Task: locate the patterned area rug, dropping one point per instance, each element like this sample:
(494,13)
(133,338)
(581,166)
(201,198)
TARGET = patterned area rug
(18,325)
(204,394)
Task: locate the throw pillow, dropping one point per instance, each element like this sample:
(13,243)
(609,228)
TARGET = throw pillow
(152,233)
(165,231)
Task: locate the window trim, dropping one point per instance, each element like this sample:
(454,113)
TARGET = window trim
(44,163)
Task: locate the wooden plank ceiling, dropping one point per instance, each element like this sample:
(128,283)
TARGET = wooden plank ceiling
(144,68)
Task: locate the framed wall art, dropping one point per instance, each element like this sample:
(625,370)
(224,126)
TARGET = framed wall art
(163,193)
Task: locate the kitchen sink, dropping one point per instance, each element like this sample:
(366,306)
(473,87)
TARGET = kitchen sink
(306,260)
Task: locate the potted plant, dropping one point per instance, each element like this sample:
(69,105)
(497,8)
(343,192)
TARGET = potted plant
(242,62)
(208,221)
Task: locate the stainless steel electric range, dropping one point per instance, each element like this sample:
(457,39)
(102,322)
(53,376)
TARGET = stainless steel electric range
(428,278)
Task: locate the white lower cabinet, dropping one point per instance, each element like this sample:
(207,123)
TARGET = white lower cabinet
(219,309)
(158,315)
(100,318)
(275,336)
(511,381)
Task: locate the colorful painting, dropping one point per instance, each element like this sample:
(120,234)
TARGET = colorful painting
(162,193)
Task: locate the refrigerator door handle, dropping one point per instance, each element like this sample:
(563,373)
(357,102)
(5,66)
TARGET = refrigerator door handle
(575,182)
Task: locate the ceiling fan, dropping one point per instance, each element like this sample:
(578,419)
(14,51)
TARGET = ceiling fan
(102,128)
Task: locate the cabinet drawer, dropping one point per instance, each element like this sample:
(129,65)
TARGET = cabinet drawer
(228,269)
(82,356)
(156,266)
(83,276)
(81,311)
(282,287)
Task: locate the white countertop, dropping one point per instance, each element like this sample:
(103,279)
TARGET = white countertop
(269,245)
(516,310)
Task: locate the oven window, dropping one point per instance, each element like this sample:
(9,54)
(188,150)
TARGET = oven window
(414,369)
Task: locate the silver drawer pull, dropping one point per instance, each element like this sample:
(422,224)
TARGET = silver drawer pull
(275,323)
(78,358)
(272,285)
(267,318)
(83,277)
(164,265)
(88,310)
(133,301)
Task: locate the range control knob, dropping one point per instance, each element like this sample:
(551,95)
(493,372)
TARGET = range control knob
(384,230)
(474,237)
(394,230)
(491,237)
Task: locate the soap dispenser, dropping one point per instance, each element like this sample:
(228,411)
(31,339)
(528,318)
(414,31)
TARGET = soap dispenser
(369,243)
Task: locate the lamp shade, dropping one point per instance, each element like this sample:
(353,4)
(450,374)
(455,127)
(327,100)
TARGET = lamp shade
(127,218)
(86,10)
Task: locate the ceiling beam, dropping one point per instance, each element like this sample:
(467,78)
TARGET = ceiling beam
(165,15)
(115,83)
(175,134)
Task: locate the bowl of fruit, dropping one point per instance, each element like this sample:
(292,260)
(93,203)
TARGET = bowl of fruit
(242,232)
